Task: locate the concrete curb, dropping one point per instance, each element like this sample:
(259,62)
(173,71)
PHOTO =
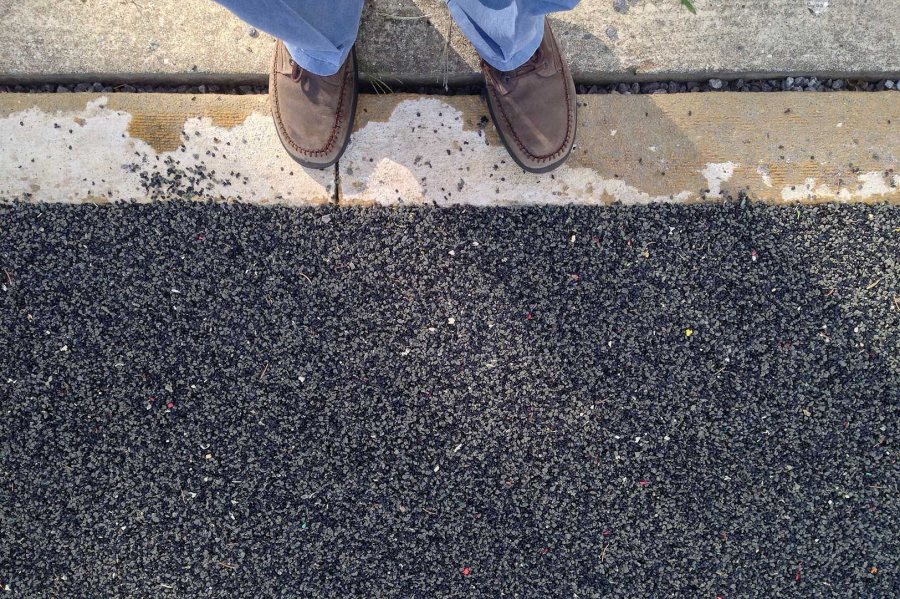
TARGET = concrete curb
(775,148)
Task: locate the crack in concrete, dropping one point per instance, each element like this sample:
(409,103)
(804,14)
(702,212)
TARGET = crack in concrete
(336,197)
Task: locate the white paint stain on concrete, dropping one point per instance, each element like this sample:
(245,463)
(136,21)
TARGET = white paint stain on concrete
(88,154)
(763,172)
(868,186)
(423,155)
(717,173)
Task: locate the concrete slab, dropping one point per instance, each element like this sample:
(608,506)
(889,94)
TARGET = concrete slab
(410,149)
(656,39)
(112,39)
(413,41)
(633,149)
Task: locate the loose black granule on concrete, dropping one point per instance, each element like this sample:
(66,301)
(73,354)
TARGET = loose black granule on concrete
(206,400)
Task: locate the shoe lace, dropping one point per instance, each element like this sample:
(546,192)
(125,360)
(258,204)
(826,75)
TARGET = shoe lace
(530,65)
(296,71)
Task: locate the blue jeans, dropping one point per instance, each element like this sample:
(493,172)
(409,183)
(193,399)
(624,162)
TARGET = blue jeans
(320,33)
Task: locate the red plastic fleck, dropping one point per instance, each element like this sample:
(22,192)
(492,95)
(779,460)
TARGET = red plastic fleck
(466,571)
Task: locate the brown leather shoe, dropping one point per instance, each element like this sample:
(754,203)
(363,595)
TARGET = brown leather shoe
(313,114)
(534,107)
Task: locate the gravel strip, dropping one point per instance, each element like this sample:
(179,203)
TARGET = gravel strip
(218,400)
(654,87)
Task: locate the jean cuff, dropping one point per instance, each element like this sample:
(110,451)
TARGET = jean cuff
(488,54)
(321,66)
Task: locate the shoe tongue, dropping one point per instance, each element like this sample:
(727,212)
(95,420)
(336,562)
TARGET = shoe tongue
(529,65)
(334,80)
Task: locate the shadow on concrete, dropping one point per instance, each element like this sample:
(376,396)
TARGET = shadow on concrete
(412,37)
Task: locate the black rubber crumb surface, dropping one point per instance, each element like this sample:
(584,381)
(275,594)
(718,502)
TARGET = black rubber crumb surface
(207,400)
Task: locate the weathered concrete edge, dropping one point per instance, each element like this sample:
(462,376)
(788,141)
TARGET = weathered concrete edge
(776,148)
(142,147)
(125,140)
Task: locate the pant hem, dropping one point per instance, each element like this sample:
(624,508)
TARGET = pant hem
(514,61)
(316,66)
